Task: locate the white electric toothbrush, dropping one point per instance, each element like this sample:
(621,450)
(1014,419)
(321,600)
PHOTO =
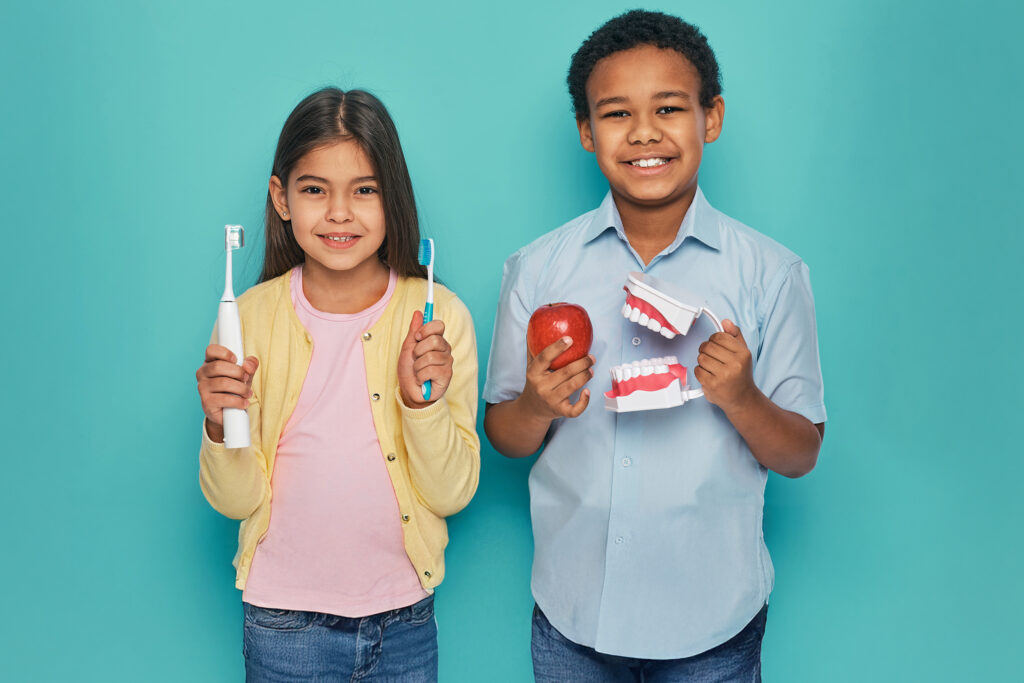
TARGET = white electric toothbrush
(229,334)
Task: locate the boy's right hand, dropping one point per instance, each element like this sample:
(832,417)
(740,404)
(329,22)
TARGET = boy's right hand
(546,394)
(223,384)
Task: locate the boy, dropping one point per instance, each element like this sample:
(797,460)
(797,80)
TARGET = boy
(649,558)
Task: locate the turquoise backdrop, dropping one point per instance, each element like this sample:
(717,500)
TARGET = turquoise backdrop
(880,140)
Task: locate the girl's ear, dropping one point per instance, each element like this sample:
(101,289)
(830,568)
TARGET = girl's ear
(279,197)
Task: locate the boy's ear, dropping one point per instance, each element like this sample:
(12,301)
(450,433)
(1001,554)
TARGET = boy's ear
(714,116)
(586,134)
(279,197)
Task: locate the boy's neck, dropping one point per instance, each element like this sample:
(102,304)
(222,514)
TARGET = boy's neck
(650,229)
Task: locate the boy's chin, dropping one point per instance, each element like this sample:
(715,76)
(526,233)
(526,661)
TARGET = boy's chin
(653,198)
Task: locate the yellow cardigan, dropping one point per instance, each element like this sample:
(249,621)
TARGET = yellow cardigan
(432,454)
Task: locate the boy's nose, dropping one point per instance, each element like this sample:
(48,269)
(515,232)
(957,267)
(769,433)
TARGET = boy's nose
(645,130)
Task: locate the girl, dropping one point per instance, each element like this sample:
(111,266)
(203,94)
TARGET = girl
(350,475)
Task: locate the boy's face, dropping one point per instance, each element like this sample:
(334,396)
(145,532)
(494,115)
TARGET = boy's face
(646,126)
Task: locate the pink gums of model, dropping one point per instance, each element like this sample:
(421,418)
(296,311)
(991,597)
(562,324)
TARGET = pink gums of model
(657,382)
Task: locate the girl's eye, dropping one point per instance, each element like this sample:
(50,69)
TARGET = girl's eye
(312,189)
(366,190)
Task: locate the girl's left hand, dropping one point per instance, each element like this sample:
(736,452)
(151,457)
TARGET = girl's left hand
(425,355)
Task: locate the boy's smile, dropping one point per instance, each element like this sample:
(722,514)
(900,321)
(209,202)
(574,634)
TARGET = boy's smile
(647,128)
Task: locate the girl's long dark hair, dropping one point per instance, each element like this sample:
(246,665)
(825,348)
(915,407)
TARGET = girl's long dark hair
(326,117)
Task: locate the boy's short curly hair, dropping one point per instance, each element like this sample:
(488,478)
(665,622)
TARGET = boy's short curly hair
(641,27)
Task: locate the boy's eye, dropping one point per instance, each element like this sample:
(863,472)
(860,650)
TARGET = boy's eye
(615,115)
(670,110)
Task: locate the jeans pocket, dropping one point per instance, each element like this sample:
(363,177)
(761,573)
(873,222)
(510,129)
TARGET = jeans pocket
(278,619)
(418,613)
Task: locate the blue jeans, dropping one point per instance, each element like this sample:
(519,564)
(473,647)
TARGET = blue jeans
(286,646)
(556,659)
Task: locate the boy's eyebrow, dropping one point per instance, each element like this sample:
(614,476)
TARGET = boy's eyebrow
(610,100)
(668,94)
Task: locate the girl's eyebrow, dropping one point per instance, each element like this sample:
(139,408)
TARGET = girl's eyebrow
(365,179)
(314,178)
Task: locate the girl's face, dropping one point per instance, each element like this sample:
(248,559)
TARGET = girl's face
(333,202)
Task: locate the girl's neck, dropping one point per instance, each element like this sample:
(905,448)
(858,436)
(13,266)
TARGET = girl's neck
(344,291)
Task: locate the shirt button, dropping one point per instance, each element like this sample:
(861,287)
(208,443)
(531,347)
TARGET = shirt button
(405,518)
(375,397)
(626,462)
(619,539)
(367,336)
(391,457)
(636,341)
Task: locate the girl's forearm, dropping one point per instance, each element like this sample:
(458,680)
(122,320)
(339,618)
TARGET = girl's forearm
(783,441)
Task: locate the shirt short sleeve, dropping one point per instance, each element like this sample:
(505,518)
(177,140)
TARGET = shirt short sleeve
(788,368)
(506,366)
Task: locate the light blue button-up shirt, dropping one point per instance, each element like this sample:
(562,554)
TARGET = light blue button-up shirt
(647,525)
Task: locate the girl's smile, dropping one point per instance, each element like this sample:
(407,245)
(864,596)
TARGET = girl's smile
(333,203)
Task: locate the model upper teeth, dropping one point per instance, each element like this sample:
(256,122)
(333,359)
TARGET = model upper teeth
(647,163)
(346,238)
(654,325)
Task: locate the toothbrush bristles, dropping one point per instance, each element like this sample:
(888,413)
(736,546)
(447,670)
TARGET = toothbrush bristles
(234,237)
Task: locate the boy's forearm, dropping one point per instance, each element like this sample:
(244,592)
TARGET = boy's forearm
(783,441)
(513,430)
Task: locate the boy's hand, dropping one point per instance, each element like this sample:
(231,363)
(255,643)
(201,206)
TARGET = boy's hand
(724,369)
(425,355)
(223,384)
(546,394)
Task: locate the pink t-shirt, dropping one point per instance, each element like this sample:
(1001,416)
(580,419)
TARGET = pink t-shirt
(335,539)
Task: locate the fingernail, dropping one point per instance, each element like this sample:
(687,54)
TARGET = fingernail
(419,337)
(567,341)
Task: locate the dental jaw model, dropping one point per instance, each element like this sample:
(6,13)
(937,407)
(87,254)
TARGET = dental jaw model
(657,382)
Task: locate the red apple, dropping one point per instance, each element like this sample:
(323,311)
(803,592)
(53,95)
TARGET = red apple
(551,322)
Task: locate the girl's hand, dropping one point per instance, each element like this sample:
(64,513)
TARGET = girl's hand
(425,355)
(724,369)
(223,384)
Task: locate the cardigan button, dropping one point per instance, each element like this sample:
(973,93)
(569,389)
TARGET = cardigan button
(367,336)
(391,457)
(427,574)
(375,397)
(405,518)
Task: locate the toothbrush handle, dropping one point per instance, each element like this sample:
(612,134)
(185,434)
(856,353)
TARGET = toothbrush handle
(229,335)
(428,315)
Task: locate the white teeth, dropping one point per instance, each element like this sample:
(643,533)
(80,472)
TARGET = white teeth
(643,319)
(647,163)
(626,310)
(654,325)
(347,238)
(634,315)
(647,369)
(667,333)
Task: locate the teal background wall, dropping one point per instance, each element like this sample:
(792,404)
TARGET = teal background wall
(880,140)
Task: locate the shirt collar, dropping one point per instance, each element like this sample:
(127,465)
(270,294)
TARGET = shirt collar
(699,223)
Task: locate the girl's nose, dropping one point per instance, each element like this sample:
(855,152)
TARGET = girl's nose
(338,210)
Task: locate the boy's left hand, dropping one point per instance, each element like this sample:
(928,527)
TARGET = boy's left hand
(425,355)
(724,369)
